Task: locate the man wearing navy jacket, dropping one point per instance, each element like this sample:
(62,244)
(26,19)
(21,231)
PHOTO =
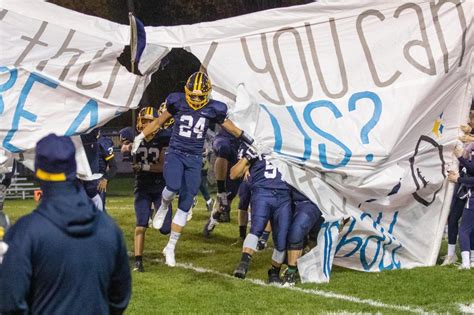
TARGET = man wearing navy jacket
(66,257)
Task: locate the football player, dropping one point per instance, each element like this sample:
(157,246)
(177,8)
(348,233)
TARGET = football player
(226,147)
(147,164)
(91,147)
(270,200)
(193,111)
(107,165)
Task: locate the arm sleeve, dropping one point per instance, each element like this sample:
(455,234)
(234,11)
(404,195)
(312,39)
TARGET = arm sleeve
(16,270)
(467,181)
(120,287)
(171,104)
(220,113)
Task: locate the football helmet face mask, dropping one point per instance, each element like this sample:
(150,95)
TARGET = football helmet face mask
(146,116)
(197,90)
(170,121)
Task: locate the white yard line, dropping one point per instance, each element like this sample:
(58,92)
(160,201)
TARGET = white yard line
(326,294)
(466,309)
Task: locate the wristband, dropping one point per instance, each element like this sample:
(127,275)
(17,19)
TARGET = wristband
(145,167)
(245,137)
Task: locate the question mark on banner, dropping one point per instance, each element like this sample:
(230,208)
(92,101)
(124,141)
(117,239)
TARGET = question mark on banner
(364,132)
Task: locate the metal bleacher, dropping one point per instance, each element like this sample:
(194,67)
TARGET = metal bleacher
(21,187)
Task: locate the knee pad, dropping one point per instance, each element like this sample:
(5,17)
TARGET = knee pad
(180,218)
(251,241)
(278,256)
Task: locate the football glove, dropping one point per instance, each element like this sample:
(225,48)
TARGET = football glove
(136,142)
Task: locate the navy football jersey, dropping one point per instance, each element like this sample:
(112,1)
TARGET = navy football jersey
(190,126)
(148,153)
(91,147)
(265,175)
(106,152)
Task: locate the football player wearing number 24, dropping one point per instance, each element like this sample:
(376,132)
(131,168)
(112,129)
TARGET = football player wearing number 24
(192,111)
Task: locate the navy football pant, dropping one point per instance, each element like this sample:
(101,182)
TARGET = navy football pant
(305,216)
(457,208)
(143,210)
(466,230)
(182,174)
(273,205)
(244,195)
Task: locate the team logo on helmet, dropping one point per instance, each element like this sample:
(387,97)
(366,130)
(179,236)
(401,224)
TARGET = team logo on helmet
(170,121)
(197,89)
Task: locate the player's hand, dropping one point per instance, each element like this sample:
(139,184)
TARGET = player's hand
(466,138)
(102,186)
(466,128)
(453,177)
(126,148)
(250,154)
(136,142)
(458,151)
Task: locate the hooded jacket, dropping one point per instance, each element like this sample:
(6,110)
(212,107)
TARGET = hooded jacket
(66,257)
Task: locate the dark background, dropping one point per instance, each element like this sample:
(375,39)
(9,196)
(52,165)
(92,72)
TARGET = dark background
(179,64)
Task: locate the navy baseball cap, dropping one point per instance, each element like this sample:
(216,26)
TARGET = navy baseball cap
(55,159)
(127,133)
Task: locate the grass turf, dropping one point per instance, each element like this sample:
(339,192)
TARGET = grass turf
(162,289)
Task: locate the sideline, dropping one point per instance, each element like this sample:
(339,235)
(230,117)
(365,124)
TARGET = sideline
(326,294)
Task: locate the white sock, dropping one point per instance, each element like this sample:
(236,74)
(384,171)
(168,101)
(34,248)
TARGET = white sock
(451,249)
(174,237)
(465,258)
(167,197)
(209,201)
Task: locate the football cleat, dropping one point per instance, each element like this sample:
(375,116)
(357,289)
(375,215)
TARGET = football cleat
(197,90)
(449,260)
(139,267)
(273,276)
(190,215)
(241,270)
(289,279)
(210,226)
(210,204)
(261,244)
(224,215)
(159,217)
(464,267)
(169,256)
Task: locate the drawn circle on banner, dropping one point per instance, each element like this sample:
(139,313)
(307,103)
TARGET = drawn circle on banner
(369,157)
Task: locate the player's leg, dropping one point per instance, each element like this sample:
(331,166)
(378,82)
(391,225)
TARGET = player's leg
(189,189)
(457,206)
(280,219)
(305,217)
(142,205)
(244,203)
(203,188)
(465,229)
(166,227)
(263,240)
(260,216)
(173,173)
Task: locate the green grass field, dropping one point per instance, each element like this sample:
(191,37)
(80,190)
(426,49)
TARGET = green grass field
(202,283)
